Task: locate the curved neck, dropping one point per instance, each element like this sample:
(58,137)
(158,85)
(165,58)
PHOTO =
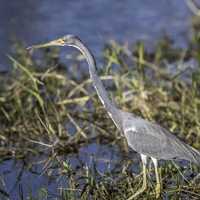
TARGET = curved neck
(97,83)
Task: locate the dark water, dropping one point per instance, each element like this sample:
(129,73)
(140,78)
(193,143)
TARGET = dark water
(94,21)
(31,177)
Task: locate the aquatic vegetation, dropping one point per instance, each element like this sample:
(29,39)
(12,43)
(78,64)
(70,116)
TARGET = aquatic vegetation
(51,117)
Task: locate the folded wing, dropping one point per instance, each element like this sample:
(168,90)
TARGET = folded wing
(155,141)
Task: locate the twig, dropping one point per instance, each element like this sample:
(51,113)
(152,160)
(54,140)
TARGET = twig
(77,126)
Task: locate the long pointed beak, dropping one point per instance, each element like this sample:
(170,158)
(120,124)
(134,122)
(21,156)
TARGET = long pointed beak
(58,42)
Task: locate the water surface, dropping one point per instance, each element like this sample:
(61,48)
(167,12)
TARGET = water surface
(95,21)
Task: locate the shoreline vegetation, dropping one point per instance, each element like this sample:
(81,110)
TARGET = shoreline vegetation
(49,110)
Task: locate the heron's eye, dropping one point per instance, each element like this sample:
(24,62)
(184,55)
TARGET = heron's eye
(61,41)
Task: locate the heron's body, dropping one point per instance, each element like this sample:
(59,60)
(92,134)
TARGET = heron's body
(155,141)
(146,138)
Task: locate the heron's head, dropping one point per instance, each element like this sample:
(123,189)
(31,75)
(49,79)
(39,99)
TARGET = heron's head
(67,40)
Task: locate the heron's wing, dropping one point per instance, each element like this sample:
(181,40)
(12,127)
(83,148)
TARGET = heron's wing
(155,141)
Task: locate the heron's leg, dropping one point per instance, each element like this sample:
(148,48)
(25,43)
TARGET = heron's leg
(158,180)
(144,184)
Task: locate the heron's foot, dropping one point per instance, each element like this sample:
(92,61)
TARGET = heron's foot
(158,190)
(140,191)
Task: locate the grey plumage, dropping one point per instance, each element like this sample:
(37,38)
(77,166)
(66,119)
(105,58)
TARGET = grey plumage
(155,141)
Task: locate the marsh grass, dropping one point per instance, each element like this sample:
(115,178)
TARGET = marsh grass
(46,112)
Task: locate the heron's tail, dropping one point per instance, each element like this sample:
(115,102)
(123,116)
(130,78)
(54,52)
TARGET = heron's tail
(185,151)
(193,155)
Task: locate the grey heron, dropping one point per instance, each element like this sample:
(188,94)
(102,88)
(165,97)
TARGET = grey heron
(150,140)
